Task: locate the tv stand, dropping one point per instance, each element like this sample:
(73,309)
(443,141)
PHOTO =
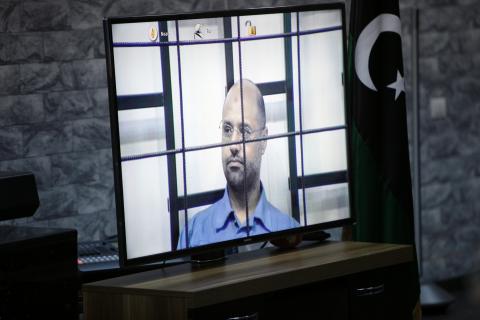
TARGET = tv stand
(209,257)
(316,236)
(330,280)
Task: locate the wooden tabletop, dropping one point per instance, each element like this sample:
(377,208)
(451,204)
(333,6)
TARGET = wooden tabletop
(259,272)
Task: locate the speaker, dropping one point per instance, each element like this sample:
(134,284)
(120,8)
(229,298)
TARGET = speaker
(19,195)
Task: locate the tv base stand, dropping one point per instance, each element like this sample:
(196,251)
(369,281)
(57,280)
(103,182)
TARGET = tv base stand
(208,258)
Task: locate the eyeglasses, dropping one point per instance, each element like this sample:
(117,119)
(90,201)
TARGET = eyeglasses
(228,130)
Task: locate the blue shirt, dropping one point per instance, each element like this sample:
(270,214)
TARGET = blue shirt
(219,223)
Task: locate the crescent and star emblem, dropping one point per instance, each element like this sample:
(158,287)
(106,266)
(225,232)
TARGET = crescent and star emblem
(384,22)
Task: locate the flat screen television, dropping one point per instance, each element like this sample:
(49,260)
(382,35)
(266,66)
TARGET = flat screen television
(227,128)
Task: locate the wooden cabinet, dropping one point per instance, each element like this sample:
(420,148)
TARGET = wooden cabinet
(332,280)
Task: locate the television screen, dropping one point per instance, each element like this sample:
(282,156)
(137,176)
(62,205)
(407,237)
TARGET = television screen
(227,127)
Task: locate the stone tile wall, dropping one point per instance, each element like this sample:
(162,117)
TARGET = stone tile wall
(449,71)
(54,114)
(54,109)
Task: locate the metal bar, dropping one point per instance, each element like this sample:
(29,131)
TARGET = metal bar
(271,88)
(227,33)
(149,100)
(184,164)
(311,181)
(323,179)
(301,118)
(226,144)
(169,134)
(201,199)
(139,101)
(240,67)
(292,159)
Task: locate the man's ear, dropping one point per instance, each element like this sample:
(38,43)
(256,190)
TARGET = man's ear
(264,142)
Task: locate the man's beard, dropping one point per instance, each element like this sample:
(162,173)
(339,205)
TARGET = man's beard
(235,178)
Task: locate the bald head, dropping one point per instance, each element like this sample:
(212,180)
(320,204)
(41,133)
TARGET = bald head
(253,102)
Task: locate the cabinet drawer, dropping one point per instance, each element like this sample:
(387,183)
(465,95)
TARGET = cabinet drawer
(379,294)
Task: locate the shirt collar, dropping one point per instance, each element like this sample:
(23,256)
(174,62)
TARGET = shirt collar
(225,211)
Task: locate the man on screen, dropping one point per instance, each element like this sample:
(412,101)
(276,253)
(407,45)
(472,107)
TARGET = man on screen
(226,219)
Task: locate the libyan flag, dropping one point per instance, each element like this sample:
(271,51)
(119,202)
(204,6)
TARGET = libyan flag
(382,190)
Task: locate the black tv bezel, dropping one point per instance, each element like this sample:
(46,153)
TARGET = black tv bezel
(107,25)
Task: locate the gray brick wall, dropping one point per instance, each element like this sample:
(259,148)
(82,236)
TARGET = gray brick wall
(54,109)
(54,114)
(449,69)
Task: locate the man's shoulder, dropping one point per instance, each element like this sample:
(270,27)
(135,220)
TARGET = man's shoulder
(279,217)
(274,211)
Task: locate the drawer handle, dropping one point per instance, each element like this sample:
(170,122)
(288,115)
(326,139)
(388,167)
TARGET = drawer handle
(369,291)
(252,316)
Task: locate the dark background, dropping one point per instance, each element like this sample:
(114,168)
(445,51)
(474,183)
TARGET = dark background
(54,114)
